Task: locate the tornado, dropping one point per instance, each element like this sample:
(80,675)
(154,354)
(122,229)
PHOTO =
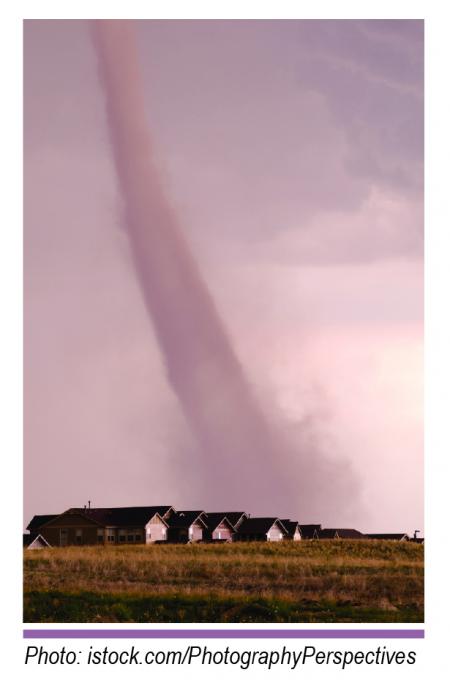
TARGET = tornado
(240,460)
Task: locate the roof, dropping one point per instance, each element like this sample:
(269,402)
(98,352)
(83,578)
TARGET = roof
(340,533)
(213,520)
(233,517)
(123,516)
(185,518)
(260,525)
(290,526)
(388,537)
(109,516)
(309,530)
(40,520)
(29,539)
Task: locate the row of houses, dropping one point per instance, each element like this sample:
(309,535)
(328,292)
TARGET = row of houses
(164,524)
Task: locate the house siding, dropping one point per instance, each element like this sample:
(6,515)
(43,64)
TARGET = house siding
(275,533)
(64,530)
(155,530)
(133,535)
(196,533)
(222,533)
(74,529)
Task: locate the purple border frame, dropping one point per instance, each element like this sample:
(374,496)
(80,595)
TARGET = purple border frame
(224,633)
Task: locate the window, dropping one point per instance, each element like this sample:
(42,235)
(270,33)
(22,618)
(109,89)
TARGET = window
(130,537)
(137,537)
(78,536)
(122,536)
(110,535)
(100,535)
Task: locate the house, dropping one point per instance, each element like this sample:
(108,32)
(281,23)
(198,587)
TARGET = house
(293,530)
(219,528)
(235,518)
(187,526)
(261,529)
(39,520)
(415,538)
(310,531)
(103,526)
(340,533)
(33,542)
(389,537)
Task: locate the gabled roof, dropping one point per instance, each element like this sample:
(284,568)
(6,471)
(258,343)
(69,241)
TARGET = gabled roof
(185,518)
(389,537)
(122,516)
(340,533)
(327,533)
(107,516)
(290,526)
(29,539)
(212,521)
(310,530)
(260,525)
(40,520)
(233,517)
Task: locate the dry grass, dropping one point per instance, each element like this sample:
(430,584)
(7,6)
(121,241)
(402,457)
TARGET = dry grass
(380,575)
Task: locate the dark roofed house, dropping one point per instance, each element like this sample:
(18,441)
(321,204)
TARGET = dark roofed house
(162,523)
(38,521)
(389,537)
(261,529)
(235,518)
(327,533)
(219,528)
(340,533)
(33,541)
(293,530)
(310,531)
(102,526)
(187,526)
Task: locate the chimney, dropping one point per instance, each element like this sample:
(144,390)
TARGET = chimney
(89,504)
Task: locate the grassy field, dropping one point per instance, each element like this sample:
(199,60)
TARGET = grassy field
(311,581)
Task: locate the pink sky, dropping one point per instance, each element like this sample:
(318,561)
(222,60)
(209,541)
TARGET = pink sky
(292,153)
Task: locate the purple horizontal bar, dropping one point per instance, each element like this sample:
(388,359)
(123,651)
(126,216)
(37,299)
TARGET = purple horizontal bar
(224,633)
